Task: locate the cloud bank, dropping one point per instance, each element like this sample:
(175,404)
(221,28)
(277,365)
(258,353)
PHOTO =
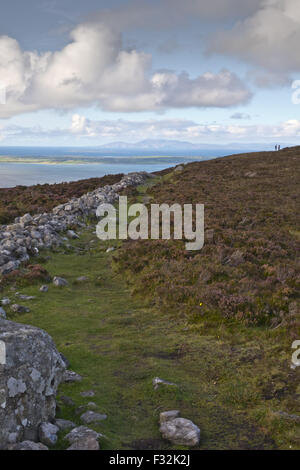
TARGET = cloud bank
(95,68)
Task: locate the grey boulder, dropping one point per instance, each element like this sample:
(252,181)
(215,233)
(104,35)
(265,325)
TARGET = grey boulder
(28,382)
(48,434)
(179,431)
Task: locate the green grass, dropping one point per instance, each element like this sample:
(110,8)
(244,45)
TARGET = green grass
(119,345)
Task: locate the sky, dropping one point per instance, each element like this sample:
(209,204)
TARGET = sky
(92,72)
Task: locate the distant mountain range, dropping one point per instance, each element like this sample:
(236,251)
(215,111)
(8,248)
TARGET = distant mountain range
(155,146)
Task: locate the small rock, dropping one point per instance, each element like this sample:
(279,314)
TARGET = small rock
(20,309)
(82,279)
(251,174)
(48,434)
(72,234)
(59,281)
(2,313)
(82,432)
(109,250)
(28,445)
(91,417)
(157,381)
(44,289)
(86,443)
(89,393)
(180,431)
(24,297)
(70,376)
(64,424)
(5,302)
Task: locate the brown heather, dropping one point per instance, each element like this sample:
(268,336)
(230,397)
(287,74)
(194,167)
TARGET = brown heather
(249,268)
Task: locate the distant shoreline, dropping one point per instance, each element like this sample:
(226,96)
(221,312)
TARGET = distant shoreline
(95,160)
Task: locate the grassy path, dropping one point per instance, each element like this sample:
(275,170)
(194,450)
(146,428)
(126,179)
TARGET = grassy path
(119,345)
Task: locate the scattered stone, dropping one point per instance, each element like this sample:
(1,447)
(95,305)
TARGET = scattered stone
(28,382)
(109,250)
(2,313)
(20,308)
(48,434)
(64,424)
(59,281)
(28,445)
(179,431)
(5,302)
(72,234)
(91,417)
(44,289)
(82,279)
(251,174)
(87,443)
(24,297)
(82,432)
(157,382)
(89,393)
(70,376)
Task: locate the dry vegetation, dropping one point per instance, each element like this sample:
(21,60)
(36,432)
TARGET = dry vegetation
(248,269)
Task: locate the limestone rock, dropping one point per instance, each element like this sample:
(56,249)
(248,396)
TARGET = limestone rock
(87,443)
(157,382)
(44,289)
(48,434)
(60,281)
(28,445)
(64,424)
(82,432)
(70,376)
(28,382)
(180,431)
(20,308)
(91,417)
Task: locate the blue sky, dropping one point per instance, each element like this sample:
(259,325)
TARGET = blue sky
(93,72)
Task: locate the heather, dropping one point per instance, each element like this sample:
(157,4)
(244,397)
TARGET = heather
(248,269)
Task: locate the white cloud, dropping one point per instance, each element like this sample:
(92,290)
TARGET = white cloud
(94,68)
(87,131)
(180,129)
(269,39)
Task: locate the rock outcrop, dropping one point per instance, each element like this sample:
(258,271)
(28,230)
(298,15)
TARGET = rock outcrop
(29,379)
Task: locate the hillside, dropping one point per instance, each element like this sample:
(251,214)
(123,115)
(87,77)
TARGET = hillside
(219,323)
